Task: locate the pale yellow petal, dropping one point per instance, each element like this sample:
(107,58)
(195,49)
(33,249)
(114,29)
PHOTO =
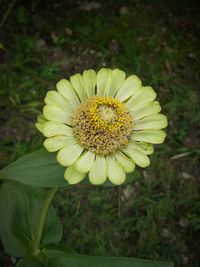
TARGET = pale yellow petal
(40,122)
(118,77)
(145,109)
(137,156)
(143,147)
(52,128)
(90,79)
(41,119)
(149,136)
(69,154)
(54,113)
(73,176)
(39,126)
(98,173)
(56,99)
(129,88)
(65,88)
(85,162)
(156,121)
(55,143)
(145,94)
(116,172)
(104,79)
(125,161)
(78,84)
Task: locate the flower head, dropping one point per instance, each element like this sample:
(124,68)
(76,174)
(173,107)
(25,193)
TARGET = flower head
(101,124)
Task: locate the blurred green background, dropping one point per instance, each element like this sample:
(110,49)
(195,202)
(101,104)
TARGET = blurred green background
(156,217)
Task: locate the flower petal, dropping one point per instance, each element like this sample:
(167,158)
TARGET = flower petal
(98,173)
(69,154)
(55,99)
(149,136)
(39,126)
(90,79)
(41,119)
(85,162)
(104,79)
(145,94)
(137,156)
(54,113)
(116,172)
(73,176)
(118,77)
(52,128)
(55,143)
(78,84)
(156,121)
(65,88)
(143,147)
(126,162)
(145,109)
(40,122)
(130,87)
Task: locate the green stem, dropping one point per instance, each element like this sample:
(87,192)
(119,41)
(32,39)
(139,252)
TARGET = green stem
(42,217)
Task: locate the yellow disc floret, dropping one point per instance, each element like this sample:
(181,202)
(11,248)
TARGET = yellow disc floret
(102,124)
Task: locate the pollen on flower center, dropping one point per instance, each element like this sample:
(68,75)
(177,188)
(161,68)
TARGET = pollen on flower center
(107,113)
(102,124)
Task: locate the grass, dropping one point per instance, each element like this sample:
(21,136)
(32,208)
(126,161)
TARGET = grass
(158,216)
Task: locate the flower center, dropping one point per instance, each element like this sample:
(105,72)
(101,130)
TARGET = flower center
(102,124)
(106,113)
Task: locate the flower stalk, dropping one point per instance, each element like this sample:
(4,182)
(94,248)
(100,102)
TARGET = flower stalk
(42,218)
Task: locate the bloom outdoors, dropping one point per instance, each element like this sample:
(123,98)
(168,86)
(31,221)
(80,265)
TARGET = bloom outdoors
(102,125)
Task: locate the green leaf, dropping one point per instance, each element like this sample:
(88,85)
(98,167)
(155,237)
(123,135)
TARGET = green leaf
(52,251)
(57,250)
(29,261)
(90,261)
(41,169)
(19,210)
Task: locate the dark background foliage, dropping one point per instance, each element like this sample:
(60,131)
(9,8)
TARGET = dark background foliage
(41,42)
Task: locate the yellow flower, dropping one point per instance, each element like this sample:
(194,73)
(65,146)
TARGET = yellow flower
(101,124)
